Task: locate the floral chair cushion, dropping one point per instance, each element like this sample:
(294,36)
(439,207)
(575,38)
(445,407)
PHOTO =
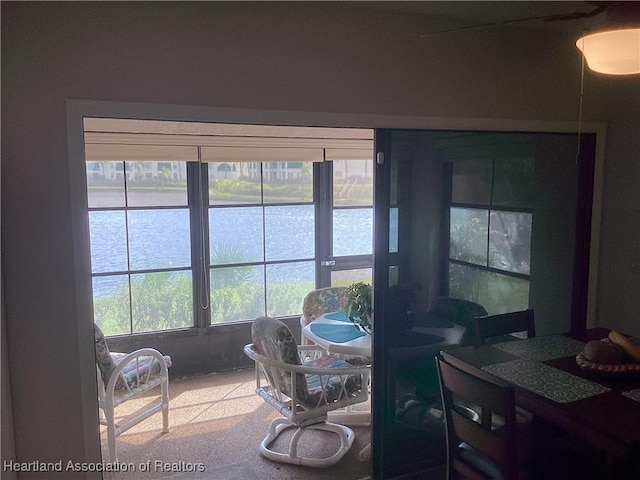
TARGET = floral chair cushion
(138,369)
(273,339)
(329,385)
(132,373)
(105,362)
(323,300)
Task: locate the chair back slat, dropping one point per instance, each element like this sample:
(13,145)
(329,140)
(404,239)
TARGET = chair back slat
(477,393)
(500,447)
(484,439)
(490,326)
(466,471)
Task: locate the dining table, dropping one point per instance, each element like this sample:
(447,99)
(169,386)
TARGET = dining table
(337,334)
(601,409)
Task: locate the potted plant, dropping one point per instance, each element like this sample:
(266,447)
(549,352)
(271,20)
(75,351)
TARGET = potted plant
(358,305)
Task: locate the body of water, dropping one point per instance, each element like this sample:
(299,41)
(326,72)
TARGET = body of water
(153,239)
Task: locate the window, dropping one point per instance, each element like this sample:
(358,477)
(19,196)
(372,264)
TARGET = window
(490,223)
(261,241)
(352,221)
(140,244)
(197,230)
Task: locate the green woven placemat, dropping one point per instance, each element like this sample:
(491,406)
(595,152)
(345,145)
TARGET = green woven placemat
(633,394)
(554,384)
(542,349)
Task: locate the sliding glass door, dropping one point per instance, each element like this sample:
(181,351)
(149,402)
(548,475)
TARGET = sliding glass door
(502,219)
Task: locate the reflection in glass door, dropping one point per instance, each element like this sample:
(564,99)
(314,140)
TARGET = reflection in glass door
(407,436)
(490,214)
(500,218)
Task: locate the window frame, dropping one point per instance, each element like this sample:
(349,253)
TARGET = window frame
(129,272)
(201,266)
(264,263)
(353,261)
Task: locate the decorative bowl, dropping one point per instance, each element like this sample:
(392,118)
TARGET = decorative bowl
(618,370)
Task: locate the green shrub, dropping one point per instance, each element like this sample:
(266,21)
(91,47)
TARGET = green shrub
(162,301)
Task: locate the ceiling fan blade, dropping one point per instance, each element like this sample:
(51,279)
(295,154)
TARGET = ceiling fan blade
(602,7)
(577,15)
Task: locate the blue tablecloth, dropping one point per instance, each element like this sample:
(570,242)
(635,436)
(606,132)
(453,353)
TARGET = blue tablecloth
(336,333)
(340,316)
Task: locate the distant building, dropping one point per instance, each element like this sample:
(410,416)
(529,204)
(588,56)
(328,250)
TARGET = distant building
(177,171)
(110,171)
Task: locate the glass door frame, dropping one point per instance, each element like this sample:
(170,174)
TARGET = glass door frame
(380,414)
(326,260)
(383,410)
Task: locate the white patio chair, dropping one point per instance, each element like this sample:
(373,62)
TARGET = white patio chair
(302,392)
(123,376)
(319,301)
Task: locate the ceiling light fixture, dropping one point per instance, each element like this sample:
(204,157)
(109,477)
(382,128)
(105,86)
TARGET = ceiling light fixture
(613,52)
(613,47)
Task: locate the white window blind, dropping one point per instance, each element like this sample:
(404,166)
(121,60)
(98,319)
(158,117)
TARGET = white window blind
(142,140)
(101,152)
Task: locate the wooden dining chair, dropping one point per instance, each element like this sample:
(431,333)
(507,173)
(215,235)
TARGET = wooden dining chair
(491,326)
(475,448)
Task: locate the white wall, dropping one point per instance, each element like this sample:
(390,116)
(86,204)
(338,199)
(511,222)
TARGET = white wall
(618,286)
(299,57)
